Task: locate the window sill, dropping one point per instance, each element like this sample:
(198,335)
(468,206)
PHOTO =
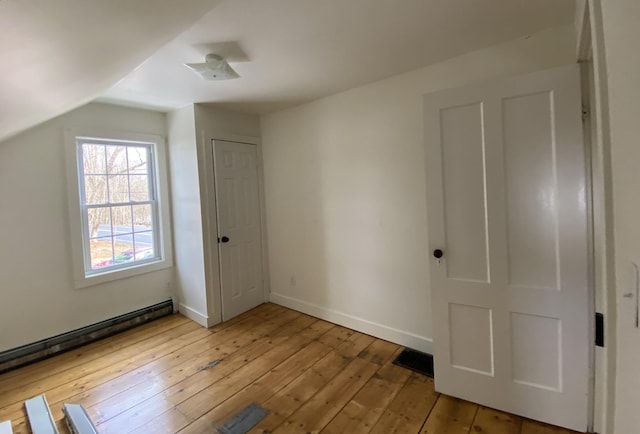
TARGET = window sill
(110,276)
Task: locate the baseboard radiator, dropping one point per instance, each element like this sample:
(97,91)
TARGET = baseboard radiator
(31,353)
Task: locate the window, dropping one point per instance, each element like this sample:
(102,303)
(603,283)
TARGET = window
(119,204)
(119,221)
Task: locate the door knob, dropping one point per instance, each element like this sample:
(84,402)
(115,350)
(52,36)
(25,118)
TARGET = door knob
(437,253)
(223,239)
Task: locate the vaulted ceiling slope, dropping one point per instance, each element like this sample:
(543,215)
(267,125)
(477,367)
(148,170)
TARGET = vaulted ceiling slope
(57,55)
(292,51)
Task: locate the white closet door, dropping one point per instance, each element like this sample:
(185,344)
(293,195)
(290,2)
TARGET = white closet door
(239,235)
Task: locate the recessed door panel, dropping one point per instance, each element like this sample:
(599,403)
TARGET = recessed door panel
(464,186)
(471,338)
(231,208)
(531,182)
(536,350)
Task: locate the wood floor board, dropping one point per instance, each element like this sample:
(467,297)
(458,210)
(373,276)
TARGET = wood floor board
(199,355)
(156,405)
(354,345)
(318,411)
(190,379)
(260,390)
(171,375)
(492,421)
(380,352)
(409,409)
(111,373)
(450,416)
(200,403)
(286,401)
(132,385)
(243,386)
(318,326)
(336,336)
(363,411)
(46,368)
(19,394)
(532,427)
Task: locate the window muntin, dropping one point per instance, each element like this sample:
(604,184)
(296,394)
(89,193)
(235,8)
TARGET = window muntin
(119,204)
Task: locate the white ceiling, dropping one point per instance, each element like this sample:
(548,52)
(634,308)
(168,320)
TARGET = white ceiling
(292,51)
(58,55)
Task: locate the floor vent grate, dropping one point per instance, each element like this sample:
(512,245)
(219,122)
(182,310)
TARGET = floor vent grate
(416,361)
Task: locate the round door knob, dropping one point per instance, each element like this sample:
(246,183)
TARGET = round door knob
(224,239)
(437,253)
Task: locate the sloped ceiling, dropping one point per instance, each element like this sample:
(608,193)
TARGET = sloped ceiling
(59,54)
(292,51)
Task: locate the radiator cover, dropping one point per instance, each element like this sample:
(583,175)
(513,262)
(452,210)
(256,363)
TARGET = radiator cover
(31,353)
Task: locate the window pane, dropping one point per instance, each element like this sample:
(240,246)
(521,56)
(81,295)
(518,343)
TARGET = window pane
(116,160)
(144,240)
(122,228)
(118,188)
(123,253)
(95,189)
(99,222)
(93,159)
(142,218)
(138,159)
(139,185)
(101,253)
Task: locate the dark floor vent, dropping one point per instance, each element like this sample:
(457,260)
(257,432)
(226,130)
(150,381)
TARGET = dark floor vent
(21,356)
(416,361)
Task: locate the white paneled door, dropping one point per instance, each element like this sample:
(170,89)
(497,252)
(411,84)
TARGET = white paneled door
(239,235)
(507,215)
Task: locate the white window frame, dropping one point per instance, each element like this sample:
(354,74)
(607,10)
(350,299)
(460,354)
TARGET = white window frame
(83,275)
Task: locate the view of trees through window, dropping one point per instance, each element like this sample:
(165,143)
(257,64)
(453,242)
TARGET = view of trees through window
(118,200)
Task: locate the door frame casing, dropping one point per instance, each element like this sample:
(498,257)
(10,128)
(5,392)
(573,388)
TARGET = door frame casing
(591,55)
(210,220)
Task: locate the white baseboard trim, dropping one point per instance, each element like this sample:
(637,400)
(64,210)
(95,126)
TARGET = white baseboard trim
(381,331)
(194,315)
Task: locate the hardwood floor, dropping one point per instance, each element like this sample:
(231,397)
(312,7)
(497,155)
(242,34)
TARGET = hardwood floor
(171,376)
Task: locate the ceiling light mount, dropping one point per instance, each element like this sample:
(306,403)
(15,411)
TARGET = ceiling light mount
(215,67)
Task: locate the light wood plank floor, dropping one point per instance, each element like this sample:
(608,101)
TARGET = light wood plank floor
(171,375)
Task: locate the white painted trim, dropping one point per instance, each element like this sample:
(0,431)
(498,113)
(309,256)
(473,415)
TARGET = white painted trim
(582,28)
(196,316)
(266,269)
(5,427)
(79,277)
(209,224)
(251,140)
(381,331)
(605,409)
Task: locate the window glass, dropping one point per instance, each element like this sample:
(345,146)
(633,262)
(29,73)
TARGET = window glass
(119,203)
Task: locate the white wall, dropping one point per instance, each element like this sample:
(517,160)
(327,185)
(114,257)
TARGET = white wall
(187,220)
(216,123)
(346,196)
(621,36)
(38,297)
(191,130)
